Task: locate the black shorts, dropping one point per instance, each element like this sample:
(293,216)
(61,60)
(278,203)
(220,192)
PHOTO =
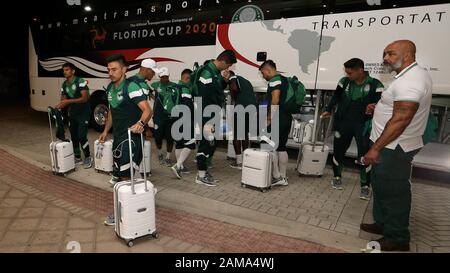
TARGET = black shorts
(121,155)
(163,130)
(188,137)
(283,131)
(181,144)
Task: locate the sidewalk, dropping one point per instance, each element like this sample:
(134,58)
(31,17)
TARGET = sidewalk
(308,209)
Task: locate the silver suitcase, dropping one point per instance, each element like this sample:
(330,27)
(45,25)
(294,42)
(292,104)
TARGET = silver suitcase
(134,206)
(312,156)
(61,154)
(257,169)
(147,153)
(103,160)
(302,131)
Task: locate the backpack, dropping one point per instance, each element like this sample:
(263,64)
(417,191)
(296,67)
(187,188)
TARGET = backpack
(195,76)
(295,96)
(169,101)
(431,129)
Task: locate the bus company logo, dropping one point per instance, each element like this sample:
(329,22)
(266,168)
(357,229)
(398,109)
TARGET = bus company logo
(98,36)
(248,13)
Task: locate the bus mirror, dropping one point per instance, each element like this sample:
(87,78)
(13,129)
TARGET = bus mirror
(261,56)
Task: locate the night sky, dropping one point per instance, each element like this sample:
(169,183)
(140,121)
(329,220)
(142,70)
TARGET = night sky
(13,53)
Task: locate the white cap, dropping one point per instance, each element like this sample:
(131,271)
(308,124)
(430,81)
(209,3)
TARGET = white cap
(150,63)
(164,71)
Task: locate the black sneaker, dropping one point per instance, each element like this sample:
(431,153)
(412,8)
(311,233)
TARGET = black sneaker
(114,180)
(215,180)
(336,183)
(168,162)
(110,220)
(176,171)
(279,182)
(236,165)
(365,193)
(161,159)
(87,163)
(206,180)
(185,170)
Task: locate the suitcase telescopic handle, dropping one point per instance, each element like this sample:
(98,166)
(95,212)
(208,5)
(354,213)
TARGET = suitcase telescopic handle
(133,191)
(131,162)
(144,162)
(50,122)
(317,124)
(328,132)
(320,128)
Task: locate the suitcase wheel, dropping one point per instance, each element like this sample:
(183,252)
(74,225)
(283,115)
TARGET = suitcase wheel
(243,185)
(155,235)
(264,190)
(65,174)
(130,243)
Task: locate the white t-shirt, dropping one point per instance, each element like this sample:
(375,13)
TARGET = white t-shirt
(413,84)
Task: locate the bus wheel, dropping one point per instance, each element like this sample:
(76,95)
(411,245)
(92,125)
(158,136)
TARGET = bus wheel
(99,113)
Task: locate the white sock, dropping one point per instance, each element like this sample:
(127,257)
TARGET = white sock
(201,174)
(177,153)
(275,169)
(168,155)
(239,159)
(283,159)
(183,156)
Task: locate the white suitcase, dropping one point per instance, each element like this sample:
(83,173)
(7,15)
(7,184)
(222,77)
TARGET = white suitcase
(103,159)
(313,159)
(63,159)
(134,207)
(257,169)
(61,154)
(147,152)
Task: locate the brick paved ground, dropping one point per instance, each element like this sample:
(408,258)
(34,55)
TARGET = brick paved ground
(40,212)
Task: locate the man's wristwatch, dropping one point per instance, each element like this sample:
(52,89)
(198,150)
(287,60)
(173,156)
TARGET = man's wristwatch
(141,123)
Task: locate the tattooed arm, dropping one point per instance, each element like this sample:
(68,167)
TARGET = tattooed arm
(402,116)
